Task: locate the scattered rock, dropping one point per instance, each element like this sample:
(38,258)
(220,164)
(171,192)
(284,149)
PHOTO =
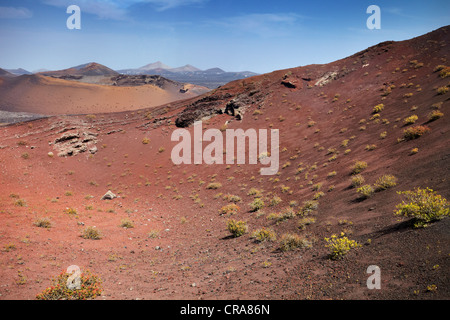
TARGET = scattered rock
(109,196)
(74,142)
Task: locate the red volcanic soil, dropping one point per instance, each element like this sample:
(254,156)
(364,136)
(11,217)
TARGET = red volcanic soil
(50,96)
(180,248)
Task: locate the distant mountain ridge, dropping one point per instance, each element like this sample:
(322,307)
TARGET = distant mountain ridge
(211,78)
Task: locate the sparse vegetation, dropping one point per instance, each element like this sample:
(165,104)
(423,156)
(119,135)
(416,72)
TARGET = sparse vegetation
(357,180)
(264,234)
(385,182)
(90,287)
(290,241)
(91,233)
(43,223)
(237,228)
(305,221)
(126,223)
(257,204)
(442,90)
(229,209)
(415,132)
(365,191)
(378,108)
(308,207)
(70,211)
(434,115)
(410,120)
(424,206)
(359,166)
(213,185)
(339,246)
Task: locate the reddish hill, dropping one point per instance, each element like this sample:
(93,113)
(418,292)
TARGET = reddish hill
(88,69)
(179,247)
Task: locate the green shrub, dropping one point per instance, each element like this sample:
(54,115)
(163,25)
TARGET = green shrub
(264,234)
(434,115)
(359,166)
(424,205)
(274,201)
(91,233)
(229,209)
(232,198)
(378,108)
(214,185)
(70,211)
(442,90)
(257,204)
(357,180)
(415,132)
(411,119)
(385,182)
(290,241)
(254,192)
(90,287)
(308,207)
(365,191)
(318,195)
(43,223)
(20,203)
(126,223)
(285,214)
(237,228)
(339,246)
(303,222)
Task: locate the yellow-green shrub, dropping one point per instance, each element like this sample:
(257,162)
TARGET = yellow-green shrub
(340,246)
(257,204)
(424,205)
(290,241)
(411,119)
(264,234)
(229,209)
(357,180)
(365,191)
(359,166)
(237,228)
(385,181)
(434,115)
(90,288)
(415,132)
(378,108)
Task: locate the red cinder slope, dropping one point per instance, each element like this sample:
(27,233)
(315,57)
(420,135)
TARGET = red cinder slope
(180,248)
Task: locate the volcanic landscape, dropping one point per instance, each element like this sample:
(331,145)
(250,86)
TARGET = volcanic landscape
(100,137)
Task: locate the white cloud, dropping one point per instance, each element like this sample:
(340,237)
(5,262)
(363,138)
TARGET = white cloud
(117,9)
(262,24)
(162,5)
(15,13)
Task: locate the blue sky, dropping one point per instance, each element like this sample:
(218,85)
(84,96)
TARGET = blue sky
(259,36)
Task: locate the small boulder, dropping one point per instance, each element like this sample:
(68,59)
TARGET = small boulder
(109,196)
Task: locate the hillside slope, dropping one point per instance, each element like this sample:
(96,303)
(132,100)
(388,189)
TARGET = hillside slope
(49,96)
(180,248)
